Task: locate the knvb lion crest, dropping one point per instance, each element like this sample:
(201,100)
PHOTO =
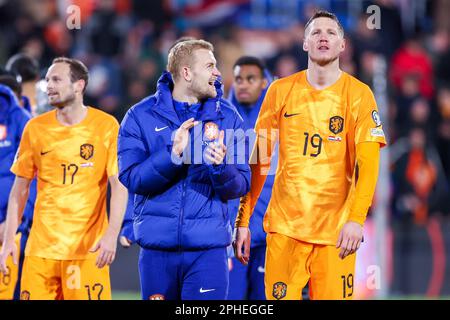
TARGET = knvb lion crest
(157,297)
(211,131)
(279,290)
(25,295)
(336,124)
(86,151)
(3,132)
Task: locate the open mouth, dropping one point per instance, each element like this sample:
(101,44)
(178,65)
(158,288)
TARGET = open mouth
(211,83)
(323,48)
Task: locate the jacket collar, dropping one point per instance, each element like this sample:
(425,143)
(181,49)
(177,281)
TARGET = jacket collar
(210,109)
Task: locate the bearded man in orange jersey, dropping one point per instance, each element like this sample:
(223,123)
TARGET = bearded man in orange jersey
(72,150)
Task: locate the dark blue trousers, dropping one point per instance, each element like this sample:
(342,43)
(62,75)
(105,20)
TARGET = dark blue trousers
(184,275)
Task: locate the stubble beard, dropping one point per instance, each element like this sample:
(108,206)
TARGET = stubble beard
(201,92)
(325,61)
(60,104)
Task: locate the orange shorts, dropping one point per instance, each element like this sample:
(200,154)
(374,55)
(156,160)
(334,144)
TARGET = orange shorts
(291,263)
(8,281)
(47,279)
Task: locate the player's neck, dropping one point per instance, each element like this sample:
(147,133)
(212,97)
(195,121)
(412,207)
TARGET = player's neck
(321,77)
(71,114)
(182,94)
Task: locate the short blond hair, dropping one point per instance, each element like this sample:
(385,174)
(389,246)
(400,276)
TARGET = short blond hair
(182,54)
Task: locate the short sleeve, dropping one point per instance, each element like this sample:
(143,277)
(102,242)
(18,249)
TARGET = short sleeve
(24,165)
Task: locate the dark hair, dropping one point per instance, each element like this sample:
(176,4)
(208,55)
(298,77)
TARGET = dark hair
(250,60)
(78,71)
(12,83)
(3,71)
(325,14)
(24,66)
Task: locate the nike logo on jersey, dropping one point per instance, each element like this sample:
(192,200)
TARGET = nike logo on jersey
(159,129)
(286,115)
(206,290)
(261,269)
(45,152)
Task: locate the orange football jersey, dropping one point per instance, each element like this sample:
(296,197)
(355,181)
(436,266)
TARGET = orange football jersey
(72,165)
(318,131)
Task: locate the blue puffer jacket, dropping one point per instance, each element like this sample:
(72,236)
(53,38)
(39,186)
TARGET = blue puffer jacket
(179,206)
(13,119)
(250,114)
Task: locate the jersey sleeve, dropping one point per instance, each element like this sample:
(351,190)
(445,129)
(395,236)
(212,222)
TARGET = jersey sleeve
(24,165)
(368,158)
(260,159)
(111,163)
(368,124)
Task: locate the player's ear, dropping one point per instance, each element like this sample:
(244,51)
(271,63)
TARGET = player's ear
(305,45)
(79,85)
(186,73)
(343,44)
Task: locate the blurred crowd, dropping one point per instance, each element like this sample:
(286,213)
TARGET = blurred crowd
(125,42)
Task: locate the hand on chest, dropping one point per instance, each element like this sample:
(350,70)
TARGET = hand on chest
(200,137)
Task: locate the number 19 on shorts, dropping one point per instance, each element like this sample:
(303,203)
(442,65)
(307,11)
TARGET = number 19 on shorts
(347,286)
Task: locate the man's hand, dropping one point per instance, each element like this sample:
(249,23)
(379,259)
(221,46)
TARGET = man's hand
(241,240)
(349,239)
(107,246)
(181,138)
(2,232)
(216,151)
(8,248)
(125,242)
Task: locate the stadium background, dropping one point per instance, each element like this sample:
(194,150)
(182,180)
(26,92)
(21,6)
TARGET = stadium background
(405,61)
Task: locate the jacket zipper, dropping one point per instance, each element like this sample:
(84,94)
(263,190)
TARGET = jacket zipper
(180,220)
